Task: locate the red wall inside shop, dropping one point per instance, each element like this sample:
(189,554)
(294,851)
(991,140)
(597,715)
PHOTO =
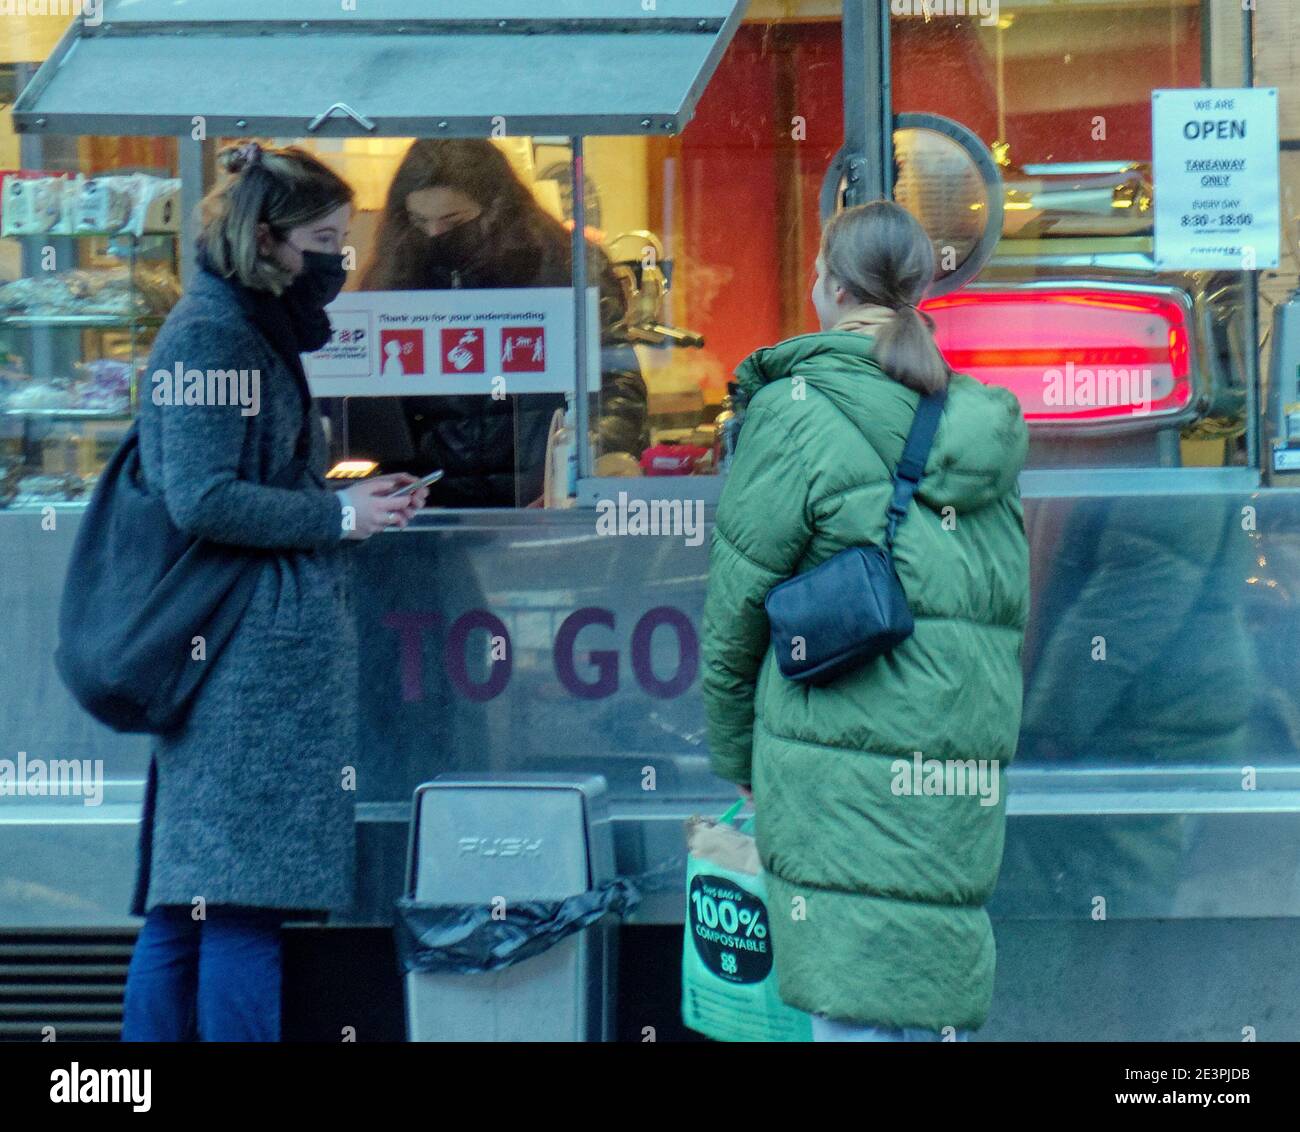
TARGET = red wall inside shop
(732,152)
(953,74)
(731,157)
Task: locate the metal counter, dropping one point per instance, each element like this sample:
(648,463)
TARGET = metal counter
(1163,778)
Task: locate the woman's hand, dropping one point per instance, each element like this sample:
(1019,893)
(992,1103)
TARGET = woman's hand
(746,792)
(374,513)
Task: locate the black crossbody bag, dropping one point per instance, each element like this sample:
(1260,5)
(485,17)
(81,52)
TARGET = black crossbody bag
(139,590)
(852,609)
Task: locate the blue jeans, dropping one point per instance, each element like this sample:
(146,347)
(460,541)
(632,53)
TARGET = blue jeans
(829,1030)
(214,980)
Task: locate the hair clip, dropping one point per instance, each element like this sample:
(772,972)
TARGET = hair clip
(245,157)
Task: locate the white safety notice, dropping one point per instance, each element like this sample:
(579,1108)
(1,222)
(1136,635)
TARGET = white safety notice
(497,342)
(1215,170)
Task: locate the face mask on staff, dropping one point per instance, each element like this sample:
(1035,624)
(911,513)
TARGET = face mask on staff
(458,247)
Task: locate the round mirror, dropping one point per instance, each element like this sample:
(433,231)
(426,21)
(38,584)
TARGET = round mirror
(945,177)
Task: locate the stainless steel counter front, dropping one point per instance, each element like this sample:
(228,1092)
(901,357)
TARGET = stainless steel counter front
(1161,774)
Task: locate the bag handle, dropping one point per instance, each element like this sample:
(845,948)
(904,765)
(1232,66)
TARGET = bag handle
(730,815)
(747,826)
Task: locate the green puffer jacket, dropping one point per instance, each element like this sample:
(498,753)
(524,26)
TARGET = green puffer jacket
(877,895)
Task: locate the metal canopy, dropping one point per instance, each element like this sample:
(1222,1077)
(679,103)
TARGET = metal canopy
(426,68)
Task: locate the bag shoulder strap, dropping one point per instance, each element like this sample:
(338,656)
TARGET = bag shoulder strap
(292,472)
(911,464)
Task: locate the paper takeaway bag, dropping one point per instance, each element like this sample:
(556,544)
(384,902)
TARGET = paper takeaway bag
(729,989)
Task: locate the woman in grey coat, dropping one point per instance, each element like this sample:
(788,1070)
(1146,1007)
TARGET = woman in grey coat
(250,805)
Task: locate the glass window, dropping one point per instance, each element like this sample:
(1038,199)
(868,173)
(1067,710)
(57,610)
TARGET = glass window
(88,269)
(700,248)
(1115,363)
(715,232)
(488,388)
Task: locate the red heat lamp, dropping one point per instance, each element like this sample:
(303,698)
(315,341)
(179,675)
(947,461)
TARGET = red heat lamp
(1071,355)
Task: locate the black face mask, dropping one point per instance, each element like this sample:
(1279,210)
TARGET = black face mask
(320,280)
(457,248)
(316,286)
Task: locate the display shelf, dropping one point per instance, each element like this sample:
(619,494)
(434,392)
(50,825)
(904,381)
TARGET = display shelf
(55,333)
(69,414)
(32,503)
(83,321)
(83,235)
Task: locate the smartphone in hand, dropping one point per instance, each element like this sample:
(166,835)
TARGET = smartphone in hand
(424,481)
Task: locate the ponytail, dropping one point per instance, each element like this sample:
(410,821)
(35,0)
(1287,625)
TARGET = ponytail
(906,351)
(881,255)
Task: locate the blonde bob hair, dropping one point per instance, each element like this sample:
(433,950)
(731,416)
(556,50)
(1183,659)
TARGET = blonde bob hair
(282,188)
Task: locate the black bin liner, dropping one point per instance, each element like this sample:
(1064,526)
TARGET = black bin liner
(464,939)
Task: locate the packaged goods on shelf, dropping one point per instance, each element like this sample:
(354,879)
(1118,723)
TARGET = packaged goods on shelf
(126,204)
(51,486)
(105,385)
(57,393)
(11,377)
(10,477)
(30,205)
(157,205)
(104,204)
(92,291)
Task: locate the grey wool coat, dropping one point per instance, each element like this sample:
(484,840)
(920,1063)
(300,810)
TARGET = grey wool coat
(253,804)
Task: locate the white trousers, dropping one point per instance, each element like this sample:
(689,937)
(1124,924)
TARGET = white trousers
(829,1030)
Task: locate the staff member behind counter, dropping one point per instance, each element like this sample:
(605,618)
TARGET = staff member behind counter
(458,216)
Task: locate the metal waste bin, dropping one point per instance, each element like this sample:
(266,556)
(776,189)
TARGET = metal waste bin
(509,838)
